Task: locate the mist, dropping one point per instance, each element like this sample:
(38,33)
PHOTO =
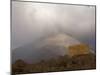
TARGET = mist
(32,21)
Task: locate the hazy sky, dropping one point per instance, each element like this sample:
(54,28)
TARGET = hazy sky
(31,21)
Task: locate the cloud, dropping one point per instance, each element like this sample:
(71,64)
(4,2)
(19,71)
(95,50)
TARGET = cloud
(31,21)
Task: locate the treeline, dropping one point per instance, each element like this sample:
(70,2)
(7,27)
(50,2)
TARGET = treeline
(62,63)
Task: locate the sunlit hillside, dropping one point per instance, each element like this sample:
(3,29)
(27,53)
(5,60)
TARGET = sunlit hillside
(78,49)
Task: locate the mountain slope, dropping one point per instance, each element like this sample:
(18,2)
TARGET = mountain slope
(50,47)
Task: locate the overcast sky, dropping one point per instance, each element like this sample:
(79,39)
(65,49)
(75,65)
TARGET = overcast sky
(31,21)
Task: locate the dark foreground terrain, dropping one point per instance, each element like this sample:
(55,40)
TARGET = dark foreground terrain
(62,63)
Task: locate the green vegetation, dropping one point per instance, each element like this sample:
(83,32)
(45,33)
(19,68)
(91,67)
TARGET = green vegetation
(62,63)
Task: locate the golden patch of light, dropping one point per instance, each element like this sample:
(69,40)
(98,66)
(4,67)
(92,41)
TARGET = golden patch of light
(59,38)
(62,40)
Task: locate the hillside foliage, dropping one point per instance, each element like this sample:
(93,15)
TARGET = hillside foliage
(62,63)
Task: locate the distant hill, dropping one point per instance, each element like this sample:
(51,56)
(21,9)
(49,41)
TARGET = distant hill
(49,47)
